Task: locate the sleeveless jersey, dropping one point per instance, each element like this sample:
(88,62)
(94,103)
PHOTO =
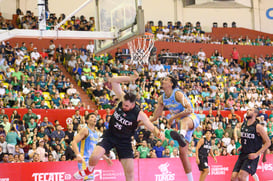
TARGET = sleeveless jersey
(250,140)
(123,124)
(78,118)
(205,148)
(173,106)
(88,144)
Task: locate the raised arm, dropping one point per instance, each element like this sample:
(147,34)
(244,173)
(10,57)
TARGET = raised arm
(158,110)
(115,81)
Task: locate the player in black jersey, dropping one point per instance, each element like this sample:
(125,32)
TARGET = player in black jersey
(122,127)
(255,141)
(203,149)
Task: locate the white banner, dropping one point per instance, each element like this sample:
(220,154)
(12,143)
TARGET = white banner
(42,15)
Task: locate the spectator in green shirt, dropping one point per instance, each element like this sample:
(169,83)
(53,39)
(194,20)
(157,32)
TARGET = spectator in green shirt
(197,135)
(27,116)
(32,124)
(6,124)
(17,73)
(219,132)
(143,149)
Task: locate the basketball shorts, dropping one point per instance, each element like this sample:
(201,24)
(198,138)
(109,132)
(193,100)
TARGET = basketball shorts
(203,163)
(123,146)
(196,122)
(243,163)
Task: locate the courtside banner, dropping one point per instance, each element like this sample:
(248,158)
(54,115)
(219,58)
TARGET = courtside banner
(64,116)
(164,169)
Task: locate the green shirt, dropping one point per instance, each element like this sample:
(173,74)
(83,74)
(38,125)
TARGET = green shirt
(144,151)
(27,117)
(32,126)
(219,133)
(170,148)
(17,74)
(198,134)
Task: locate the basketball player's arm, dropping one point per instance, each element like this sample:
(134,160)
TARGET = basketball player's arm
(80,136)
(198,146)
(145,120)
(159,109)
(211,153)
(116,81)
(179,96)
(260,130)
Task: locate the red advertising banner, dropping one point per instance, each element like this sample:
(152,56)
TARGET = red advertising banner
(164,169)
(64,115)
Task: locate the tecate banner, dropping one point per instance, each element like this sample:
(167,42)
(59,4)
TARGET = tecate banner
(158,169)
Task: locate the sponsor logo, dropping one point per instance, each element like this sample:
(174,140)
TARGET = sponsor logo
(218,170)
(51,176)
(265,167)
(108,174)
(4,179)
(165,175)
(69,120)
(269,13)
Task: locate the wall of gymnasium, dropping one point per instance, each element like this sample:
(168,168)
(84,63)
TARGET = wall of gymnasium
(260,17)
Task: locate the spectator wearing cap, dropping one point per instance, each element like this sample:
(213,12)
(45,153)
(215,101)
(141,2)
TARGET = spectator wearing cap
(41,151)
(35,55)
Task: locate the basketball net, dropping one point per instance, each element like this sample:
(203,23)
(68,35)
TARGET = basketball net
(140,49)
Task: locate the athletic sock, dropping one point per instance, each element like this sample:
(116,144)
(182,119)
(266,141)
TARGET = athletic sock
(255,176)
(183,132)
(190,177)
(247,178)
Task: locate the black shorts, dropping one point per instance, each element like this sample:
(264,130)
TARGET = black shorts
(123,146)
(203,163)
(243,163)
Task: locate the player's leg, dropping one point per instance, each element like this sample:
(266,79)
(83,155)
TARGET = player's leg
(234,176)
(204,174)
(186,125)
(183,154)
(128,167)
(243,175)
(93,160)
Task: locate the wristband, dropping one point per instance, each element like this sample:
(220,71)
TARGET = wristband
(79,155)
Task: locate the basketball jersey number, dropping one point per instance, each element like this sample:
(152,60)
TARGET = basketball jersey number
(118,126)
(245,141)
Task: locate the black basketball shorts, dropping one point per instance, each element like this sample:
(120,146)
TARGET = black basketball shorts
(123,146)
(243,163)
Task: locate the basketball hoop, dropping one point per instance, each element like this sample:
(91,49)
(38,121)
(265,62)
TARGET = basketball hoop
(140,48)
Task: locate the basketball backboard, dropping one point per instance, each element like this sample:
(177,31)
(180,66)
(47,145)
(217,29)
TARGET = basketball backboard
(125,18)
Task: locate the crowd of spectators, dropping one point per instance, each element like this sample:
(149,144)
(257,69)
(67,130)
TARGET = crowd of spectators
(190,33)
(31,79)
(30,21)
